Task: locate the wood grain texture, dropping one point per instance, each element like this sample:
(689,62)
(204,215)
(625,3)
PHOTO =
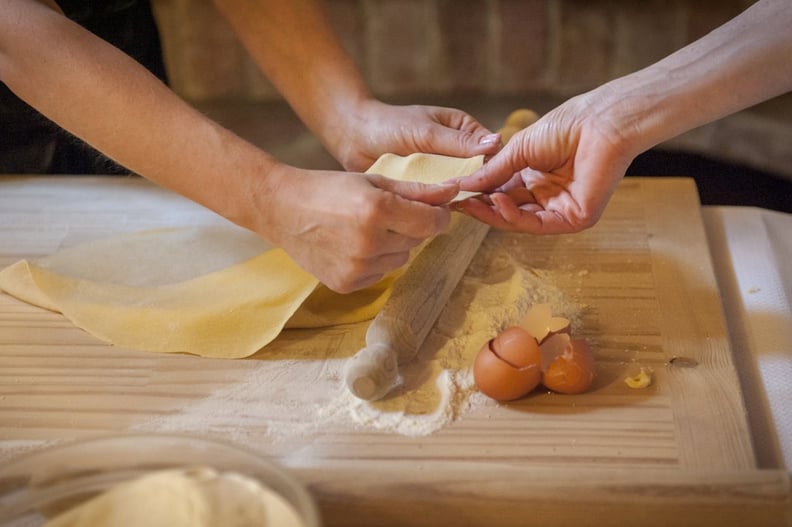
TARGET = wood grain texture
(680,447)
(507,495)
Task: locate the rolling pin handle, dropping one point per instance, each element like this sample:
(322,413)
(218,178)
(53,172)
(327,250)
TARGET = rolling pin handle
(372,372)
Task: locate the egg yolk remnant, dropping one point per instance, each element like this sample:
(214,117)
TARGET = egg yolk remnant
(642,379)
(539,350)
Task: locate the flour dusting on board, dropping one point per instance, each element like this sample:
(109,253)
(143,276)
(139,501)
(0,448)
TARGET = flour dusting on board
(437,387)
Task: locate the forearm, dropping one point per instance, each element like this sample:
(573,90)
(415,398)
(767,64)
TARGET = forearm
(107,99)
(293,44)
(742,63)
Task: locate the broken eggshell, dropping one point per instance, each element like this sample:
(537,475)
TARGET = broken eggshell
(567,364)
(539,350)
(540,322)
(508,366)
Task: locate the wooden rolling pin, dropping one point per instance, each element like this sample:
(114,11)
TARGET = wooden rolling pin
(418,298)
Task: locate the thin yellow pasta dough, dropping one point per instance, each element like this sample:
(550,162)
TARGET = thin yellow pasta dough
(211,291)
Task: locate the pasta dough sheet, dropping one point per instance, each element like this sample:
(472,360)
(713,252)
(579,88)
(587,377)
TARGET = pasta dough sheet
(211,291)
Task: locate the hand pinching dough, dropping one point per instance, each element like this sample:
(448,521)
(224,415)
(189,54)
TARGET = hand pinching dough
(211,291)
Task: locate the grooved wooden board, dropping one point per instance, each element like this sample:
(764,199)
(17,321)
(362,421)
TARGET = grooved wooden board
(644,273)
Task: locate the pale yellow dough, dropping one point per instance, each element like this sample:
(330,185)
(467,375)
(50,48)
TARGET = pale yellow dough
(426,168)
(211,291)
(198,497)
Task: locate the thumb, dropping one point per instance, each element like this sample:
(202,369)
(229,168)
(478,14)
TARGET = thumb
(430,194)
(497,170)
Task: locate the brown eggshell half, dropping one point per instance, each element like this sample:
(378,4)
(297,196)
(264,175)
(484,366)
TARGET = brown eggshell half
(501,380)
(571,369)
(516,346)
(540,322)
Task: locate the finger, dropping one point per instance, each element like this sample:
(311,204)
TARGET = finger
(514,216)
(489,145)
(460,204)
(530,218)
(460,135)
(351,285)
(497,171)
(459,120)
(358,284)
(386,263)
(399,207)
(358,273)
(391,242)
(455,143)
(521,196)
(431,194)
(416,220)
(373,270)
(483,212)
(503,213)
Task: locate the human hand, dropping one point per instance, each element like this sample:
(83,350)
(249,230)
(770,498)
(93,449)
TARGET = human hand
(376,128)
(349,229)
(553,177)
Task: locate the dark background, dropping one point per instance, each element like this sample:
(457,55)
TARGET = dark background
(718,182)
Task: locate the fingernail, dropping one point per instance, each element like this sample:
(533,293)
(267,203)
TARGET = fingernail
(490,139)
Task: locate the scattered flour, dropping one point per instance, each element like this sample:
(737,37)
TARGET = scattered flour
(436,388)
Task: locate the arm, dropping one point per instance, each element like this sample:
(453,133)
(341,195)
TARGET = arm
(294,46)
(572,159)
(346,229)
(742,63)
(106,98)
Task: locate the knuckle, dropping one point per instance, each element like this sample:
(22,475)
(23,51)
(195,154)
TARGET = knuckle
(401,259)
(344,282)
(369,212)
(583,219)
(335,282)
(341,287)
(364,247)
(427,135)
(442,219)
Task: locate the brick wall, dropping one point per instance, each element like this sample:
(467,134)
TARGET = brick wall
(408,47)
(490,48)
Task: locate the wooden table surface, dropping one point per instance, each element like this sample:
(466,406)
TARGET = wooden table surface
(680,449)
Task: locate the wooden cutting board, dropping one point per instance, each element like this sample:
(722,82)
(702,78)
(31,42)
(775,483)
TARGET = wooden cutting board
(614,456)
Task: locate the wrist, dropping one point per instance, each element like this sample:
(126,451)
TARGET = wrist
(261,194)
(347,128)
(640,111)
(237,181)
